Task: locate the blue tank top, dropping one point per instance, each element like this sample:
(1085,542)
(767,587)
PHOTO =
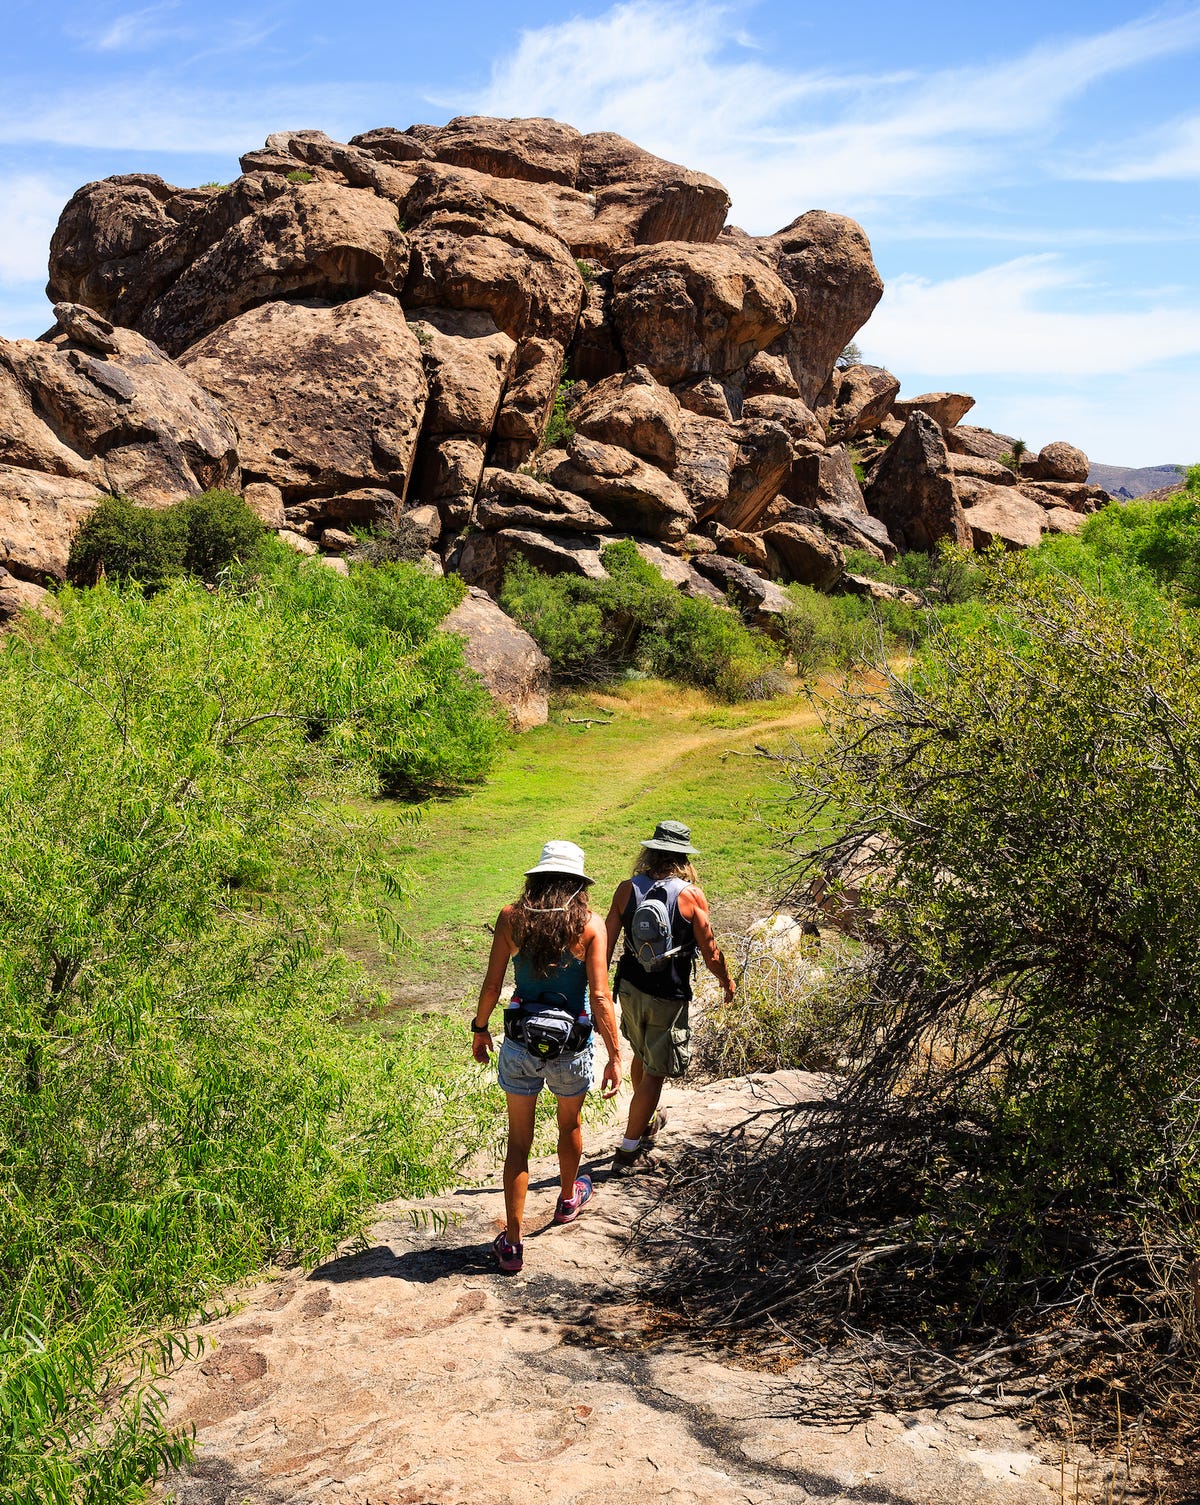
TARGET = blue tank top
(567,981)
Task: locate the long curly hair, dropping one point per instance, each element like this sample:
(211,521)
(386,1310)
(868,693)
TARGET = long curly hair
(549,919)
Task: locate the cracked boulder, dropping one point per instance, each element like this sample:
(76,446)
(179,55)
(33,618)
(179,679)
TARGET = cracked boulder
(632,494)
(912,491)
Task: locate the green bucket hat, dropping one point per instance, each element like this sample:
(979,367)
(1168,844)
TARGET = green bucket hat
(671,836)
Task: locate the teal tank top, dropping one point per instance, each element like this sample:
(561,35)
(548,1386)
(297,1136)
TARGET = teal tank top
(567,981)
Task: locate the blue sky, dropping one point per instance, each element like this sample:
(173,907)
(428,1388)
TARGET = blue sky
(1028,177)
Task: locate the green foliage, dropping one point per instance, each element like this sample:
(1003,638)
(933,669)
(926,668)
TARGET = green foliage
(851,356)
(423,334)
(300,175)
(181,808)
(559,429)
(586,270)
(1038,791)
(591,630)
(201,535)
(1014,457)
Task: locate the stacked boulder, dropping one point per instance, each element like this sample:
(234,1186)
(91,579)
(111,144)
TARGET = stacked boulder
(510,336)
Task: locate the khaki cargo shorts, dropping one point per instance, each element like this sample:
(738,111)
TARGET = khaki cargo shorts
(657,1029)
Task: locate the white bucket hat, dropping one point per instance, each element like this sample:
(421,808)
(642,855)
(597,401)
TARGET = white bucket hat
(561,857)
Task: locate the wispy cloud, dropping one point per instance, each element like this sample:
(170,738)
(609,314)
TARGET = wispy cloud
(1016,319)
(135,30)
(680,78)
(1172,152)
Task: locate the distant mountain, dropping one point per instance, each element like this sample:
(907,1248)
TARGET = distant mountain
(1127,481)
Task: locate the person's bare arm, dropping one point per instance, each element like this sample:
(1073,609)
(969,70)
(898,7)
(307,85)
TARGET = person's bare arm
(604,1016)
(493,981)
(694,906)
(616,912)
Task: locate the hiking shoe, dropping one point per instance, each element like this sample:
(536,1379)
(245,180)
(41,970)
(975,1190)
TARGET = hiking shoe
(509,1256)
(624,1162)
(568,1209)
(656,1124)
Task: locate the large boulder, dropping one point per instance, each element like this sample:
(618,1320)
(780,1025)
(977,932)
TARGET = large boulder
(913,492)
(683,309)
(482,558)
(105,405)
(315,153)
(635,412)
(980,469)
(528,401)
(984,444)
(467,363)
(1077,495)
(805,555)
(640,199)
(855,400)
(472,247)
(761,461)
(506,658)
(1001,514)
(680,573)
(327,399)
(1060,462)
(18,596)
(39,516)
(825,261)
(945,408)
(632,494)
(317,240)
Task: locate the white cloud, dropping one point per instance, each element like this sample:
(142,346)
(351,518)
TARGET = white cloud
(679,78)
(1172,153)
(30,206)
(135,30)
(1010,320)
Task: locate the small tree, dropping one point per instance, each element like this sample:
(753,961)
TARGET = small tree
(851,356)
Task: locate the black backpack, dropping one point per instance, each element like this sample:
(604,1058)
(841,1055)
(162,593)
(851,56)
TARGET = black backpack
(649,936)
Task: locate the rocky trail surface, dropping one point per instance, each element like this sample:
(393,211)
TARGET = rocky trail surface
(408,1371)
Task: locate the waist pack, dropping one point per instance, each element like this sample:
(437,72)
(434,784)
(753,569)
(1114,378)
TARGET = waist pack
(547,1029)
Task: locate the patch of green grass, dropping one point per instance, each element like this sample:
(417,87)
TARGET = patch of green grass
(668,752)
(300,175)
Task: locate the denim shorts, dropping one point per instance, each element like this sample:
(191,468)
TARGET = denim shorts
(523,1074)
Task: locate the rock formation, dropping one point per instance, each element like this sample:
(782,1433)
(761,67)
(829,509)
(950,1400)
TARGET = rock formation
(511,337)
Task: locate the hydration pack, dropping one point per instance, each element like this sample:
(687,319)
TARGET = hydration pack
(649,936)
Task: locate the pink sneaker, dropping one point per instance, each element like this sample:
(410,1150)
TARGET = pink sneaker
(509,1256)
(568,1210)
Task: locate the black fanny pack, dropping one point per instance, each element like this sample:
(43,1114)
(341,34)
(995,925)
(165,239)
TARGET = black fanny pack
(547,1028)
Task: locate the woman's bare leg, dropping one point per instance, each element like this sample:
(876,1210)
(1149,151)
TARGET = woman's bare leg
(570,1141)
(521,1117)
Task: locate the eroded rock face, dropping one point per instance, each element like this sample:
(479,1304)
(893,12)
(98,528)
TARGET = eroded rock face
(760,601)
(1001,513)
(509,499)
(635,412)
(506,658)
(39,516)
(804,555)
(912,491)
(630,493)
(964,439)
(327,398)
(484,557)
(685,310)
(825,261)
(855,400)
(18,596)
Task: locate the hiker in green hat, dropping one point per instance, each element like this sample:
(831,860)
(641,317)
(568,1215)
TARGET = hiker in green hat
(664,916)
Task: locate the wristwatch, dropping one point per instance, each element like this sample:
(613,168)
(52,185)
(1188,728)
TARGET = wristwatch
(478,1029)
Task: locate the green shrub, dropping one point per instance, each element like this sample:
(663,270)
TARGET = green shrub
(151,546)
(178,1099)
(300,175)
(591,630)
(559,428)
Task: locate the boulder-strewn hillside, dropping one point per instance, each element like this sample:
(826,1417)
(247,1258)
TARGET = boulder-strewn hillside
(521,339)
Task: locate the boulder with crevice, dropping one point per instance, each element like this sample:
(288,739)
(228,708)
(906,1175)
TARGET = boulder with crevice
(327,399)
(804,555)
(635,412)
(482,558)
(1000,514)
(527,403)
(681,573)
(510,499)
(763,604)
(687,310)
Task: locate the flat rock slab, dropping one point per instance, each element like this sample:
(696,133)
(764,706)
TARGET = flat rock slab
(410,1372)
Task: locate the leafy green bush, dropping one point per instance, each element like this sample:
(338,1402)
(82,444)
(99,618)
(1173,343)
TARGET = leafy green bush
(559,428)
(178,1099)
(1006,1179)
(201,535)
(591,630)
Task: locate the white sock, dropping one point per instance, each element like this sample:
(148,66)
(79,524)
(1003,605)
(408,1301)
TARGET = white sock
(629,1145)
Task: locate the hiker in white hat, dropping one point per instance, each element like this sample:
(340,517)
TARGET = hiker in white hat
(560,969)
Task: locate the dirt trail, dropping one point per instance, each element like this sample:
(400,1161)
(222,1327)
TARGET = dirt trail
(411,1372)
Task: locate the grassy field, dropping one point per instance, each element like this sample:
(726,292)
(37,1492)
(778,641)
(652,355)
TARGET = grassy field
(666,752)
